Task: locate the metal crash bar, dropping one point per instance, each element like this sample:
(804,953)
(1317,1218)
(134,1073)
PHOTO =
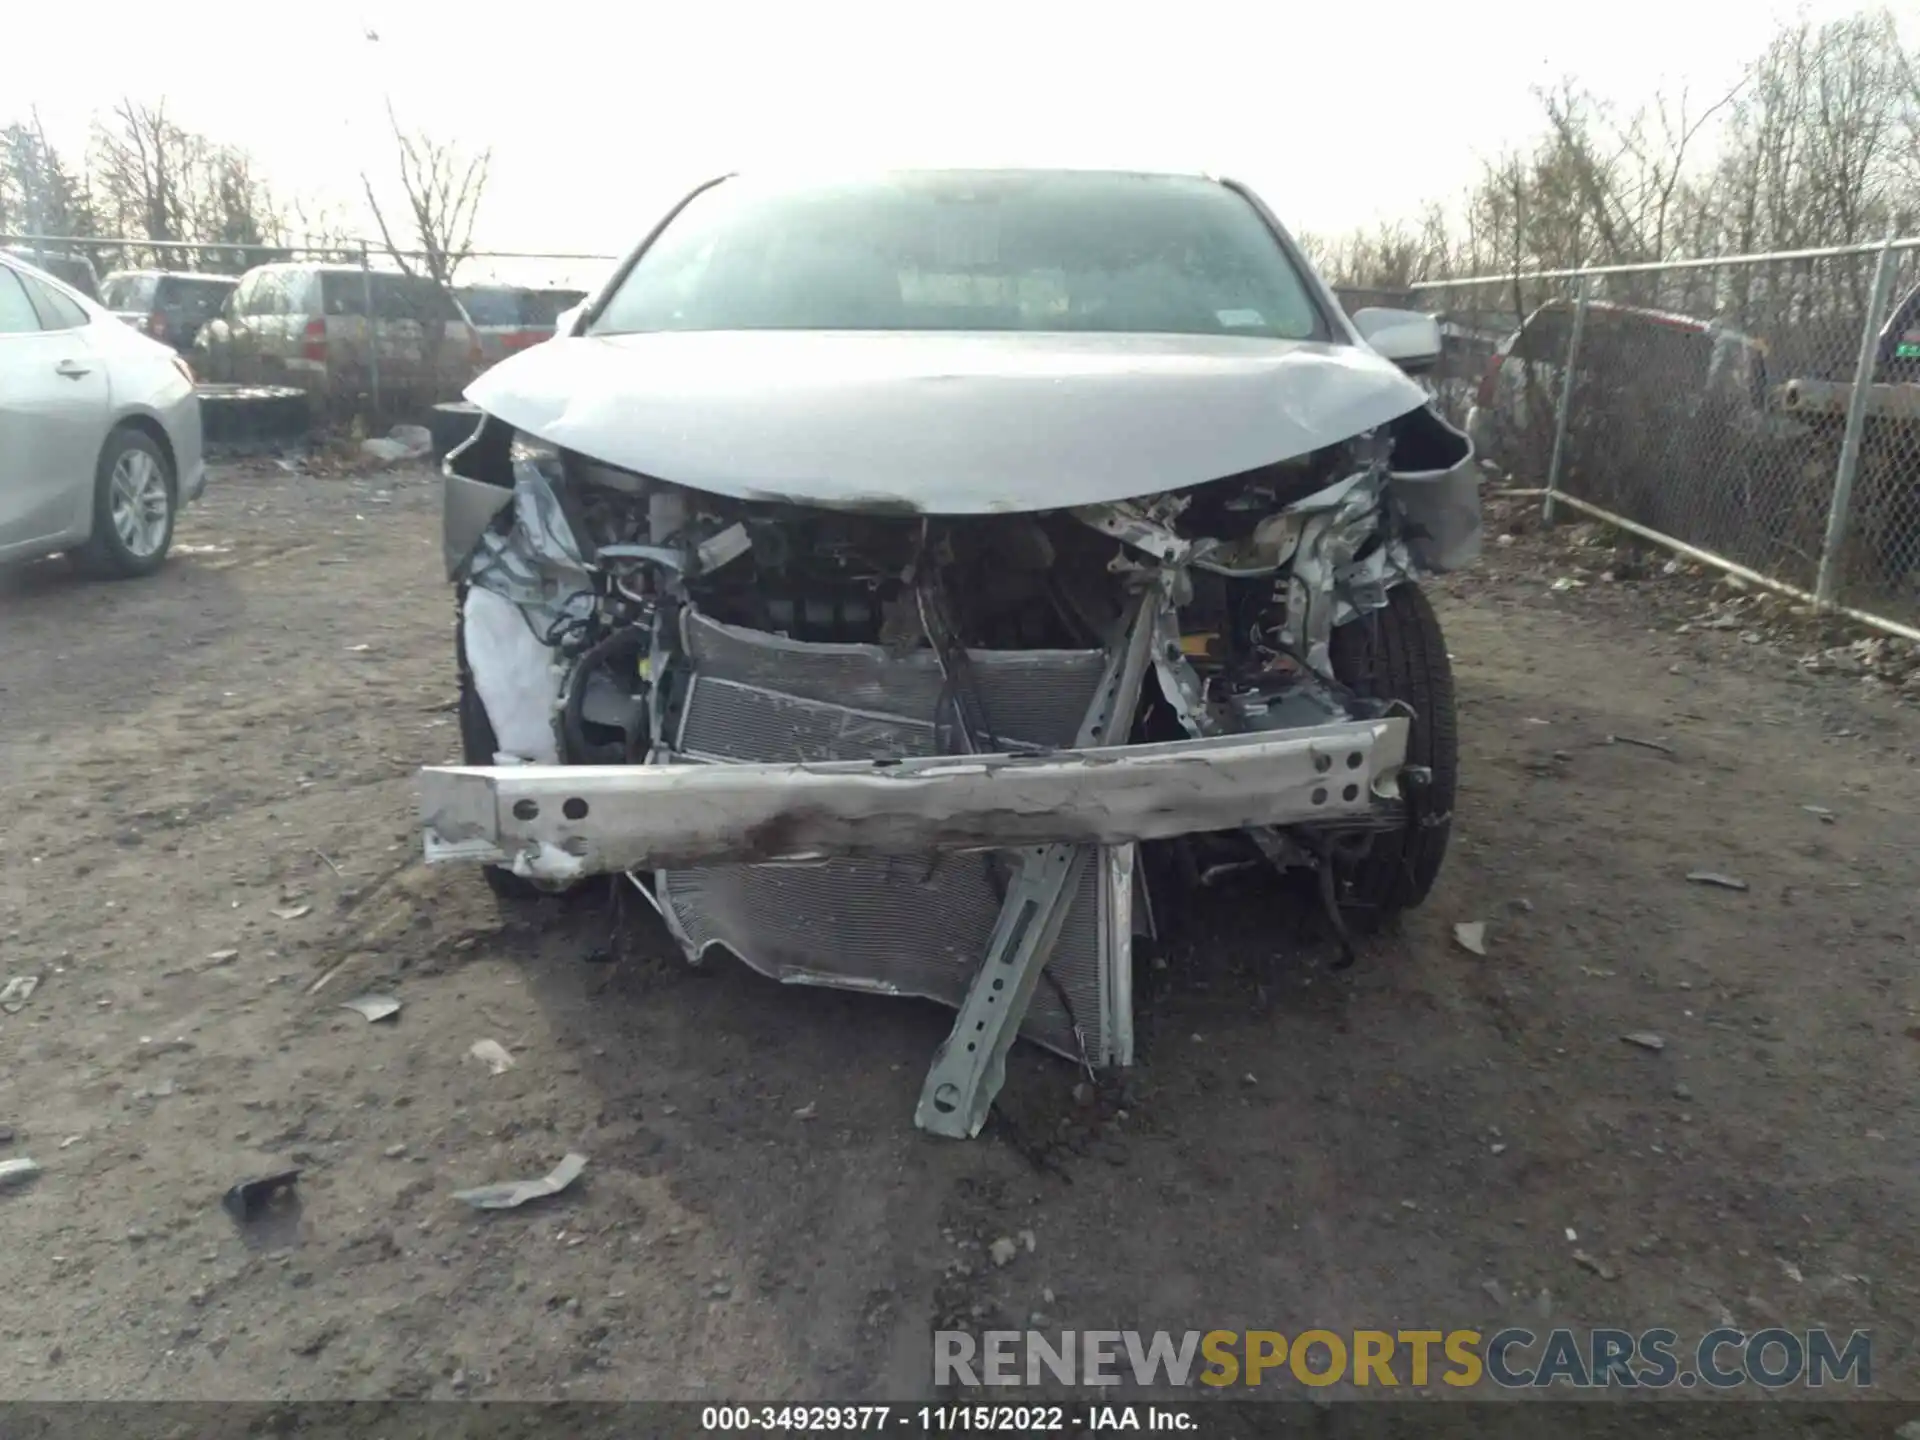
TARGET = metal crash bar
(559,822)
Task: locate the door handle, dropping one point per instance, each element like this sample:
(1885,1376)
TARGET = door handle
(72,369)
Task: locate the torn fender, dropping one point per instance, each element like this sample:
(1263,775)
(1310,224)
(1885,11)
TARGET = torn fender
(591,819)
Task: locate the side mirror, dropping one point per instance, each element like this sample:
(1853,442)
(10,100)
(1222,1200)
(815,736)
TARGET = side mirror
(1409,338)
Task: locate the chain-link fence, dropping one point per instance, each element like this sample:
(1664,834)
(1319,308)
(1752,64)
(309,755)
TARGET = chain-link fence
(1764,410)
(362,331)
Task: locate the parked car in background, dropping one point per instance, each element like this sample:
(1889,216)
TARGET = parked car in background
(168,305)
(1897,356)
(307,325)
(509,318)
(1660,368)
(100,441)
(70,267)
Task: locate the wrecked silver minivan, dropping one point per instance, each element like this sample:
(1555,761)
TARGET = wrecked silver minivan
(906,582)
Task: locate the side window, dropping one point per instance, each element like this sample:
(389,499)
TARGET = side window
(299,292)
(57,312)
(268,297)
(17,316)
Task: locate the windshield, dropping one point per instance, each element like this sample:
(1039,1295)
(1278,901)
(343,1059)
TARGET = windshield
(960,250)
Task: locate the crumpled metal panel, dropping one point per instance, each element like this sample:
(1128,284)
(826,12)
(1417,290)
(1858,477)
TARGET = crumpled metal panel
(899,925)
(887,925)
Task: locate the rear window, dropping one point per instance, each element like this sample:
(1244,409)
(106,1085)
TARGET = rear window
(192,298)
(491,305)
(969,251)
(70,269)
(395,297)
(128,292)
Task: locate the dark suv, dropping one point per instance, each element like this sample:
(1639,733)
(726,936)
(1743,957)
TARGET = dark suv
(169,305)
(68,266)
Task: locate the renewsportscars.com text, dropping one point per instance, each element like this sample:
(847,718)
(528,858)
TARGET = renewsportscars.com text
(1511,1359)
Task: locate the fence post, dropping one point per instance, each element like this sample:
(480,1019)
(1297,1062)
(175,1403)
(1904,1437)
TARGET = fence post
(1566,401)
(373,341)
(1840,511)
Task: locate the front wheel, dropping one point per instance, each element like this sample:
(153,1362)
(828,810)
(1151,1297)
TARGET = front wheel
(133,507)
(1398,653)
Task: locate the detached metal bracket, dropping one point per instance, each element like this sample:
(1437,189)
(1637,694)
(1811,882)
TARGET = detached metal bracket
(971,1064)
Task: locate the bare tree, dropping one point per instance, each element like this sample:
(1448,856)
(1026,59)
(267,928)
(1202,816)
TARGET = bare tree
(38,193)
(443,187)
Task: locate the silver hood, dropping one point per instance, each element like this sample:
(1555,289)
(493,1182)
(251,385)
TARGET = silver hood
(951,423)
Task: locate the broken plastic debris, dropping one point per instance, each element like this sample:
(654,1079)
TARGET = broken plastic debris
(291,912)
(374,1007)
(493,1053)
(805,1112)
(1642,744)
(513,1193)
(223,957)
(245,1201)
(1002,1251)
(1645,1039)
(16,992)
(1709,877)
(1472,936)
(1597,1266)
(403,442)
(17,1172)
(1825,815)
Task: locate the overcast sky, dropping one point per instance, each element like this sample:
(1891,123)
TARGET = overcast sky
(598,115)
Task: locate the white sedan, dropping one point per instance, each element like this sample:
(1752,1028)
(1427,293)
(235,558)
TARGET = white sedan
(100,443)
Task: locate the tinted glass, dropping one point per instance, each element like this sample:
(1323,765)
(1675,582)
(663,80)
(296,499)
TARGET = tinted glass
(17,316)
(395,297)
(192,299)
(491,306)
(57,312)
(960,250)
(128,292)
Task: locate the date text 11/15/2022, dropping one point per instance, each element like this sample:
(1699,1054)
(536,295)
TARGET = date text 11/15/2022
(945,1419)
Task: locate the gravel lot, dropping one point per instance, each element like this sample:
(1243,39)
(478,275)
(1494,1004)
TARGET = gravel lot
(210,843)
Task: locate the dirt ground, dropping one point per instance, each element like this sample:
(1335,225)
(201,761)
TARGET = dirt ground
(210,843)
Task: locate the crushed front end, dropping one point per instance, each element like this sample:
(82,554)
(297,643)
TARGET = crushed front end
(931,755)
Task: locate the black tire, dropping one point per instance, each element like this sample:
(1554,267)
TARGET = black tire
(107,553)
(1398,653)
(478,745)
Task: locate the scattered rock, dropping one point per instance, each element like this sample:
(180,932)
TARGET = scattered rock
(1645,1039)
(1027,1240)
(493,1054)
(1682,1092)
(291,912)
(223,957)
(17,1172)
(805,1112)
(1002,1251)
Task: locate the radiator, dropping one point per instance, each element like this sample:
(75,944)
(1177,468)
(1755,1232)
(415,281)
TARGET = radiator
(902,925)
